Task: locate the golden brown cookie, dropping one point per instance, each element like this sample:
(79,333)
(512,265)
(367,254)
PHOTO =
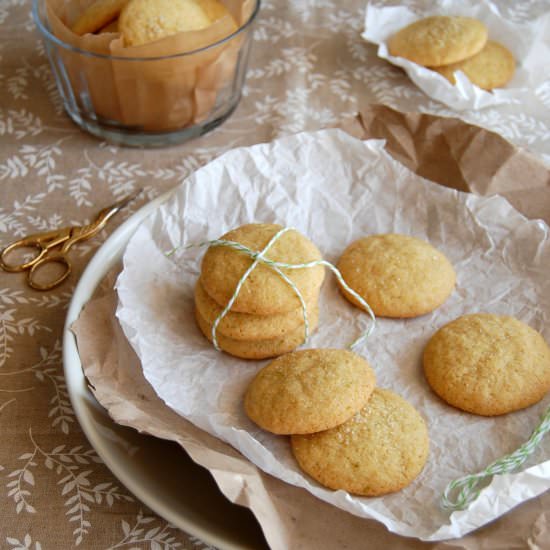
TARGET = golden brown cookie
(245,326)
(492,67)
(260,349)
(439,40)
(143,21)
(488,364)
(380,450)
(309,390)
(97,15)
(264,292)
(398,275)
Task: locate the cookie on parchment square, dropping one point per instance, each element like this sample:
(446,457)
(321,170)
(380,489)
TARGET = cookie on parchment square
(380,450)
(260,349)
(264,292)
(245,326)
(309,390)
(488,364)
(439,40)
(398,275)
(492,67)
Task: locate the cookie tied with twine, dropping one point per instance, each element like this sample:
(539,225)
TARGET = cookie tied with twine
(264,292)
(265,274)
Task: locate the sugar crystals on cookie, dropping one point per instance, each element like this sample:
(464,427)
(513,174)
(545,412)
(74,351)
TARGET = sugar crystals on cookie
(439,40)
(309,390)
(398,275)
(380,450)
(488,364)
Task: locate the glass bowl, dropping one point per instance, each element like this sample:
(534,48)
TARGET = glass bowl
(151,100)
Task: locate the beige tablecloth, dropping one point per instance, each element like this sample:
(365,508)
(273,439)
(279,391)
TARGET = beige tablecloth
(309,69)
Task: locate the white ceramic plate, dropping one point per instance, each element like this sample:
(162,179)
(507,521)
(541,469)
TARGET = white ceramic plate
(159,473)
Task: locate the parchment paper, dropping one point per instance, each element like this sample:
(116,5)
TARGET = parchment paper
(525,41)
(334,189)
(450,152)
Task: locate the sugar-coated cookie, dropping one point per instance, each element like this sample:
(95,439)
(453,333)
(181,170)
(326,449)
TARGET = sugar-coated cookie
(245,326)
(264,292)
(398,275)
(380,450)
(492,67)
(97,15)
(309,390)
(488,364)
(439,40)
(260,349)
(143,21)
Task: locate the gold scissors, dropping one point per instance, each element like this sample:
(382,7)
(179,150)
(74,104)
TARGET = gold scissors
(46,244)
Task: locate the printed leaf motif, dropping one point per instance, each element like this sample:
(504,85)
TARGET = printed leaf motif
(160,536)
(74,484)
(25,544)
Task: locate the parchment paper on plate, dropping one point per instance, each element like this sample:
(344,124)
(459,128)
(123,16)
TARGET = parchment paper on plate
(335,188)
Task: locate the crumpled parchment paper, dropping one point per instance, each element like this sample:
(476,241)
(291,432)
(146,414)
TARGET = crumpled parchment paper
(525,41)
(334,189)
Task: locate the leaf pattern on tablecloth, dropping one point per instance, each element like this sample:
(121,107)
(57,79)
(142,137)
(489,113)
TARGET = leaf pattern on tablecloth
(25,544)
(309,69)
(73,468)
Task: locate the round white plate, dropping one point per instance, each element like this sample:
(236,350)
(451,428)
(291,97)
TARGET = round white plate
(159,473)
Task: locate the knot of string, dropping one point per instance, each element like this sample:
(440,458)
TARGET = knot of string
(258,257)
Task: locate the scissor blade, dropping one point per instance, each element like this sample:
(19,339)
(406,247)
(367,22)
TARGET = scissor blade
(107,213)
(85,232)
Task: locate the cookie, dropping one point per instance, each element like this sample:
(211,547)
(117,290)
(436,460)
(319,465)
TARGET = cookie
(244,326)
(143,21)
(439,40)
(309,390)
(264,292)
(398,275)
(488,364)
(97,15)
(492,67)
(380,450)
(260,349)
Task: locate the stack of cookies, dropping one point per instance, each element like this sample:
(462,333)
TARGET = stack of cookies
(345,433)
(451,43)
(266,319)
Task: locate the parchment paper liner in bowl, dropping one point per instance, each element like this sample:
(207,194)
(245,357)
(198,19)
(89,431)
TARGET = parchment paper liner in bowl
(153,95)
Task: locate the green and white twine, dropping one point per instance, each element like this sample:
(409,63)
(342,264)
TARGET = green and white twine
(465,489)
(258,257)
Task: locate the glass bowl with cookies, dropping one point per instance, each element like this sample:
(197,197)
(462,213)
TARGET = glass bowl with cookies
(147,73)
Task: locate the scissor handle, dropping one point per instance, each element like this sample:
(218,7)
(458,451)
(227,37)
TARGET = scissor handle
(58,258)
(22,243)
